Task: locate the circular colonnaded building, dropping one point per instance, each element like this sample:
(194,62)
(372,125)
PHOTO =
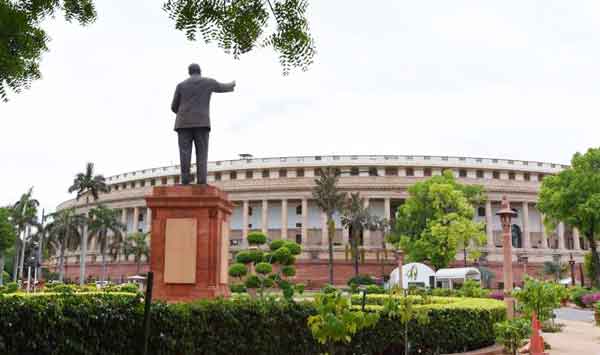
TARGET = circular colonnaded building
(274,195)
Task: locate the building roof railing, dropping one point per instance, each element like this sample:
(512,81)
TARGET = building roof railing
(350,160)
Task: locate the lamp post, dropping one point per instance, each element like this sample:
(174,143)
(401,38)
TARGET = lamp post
(572,264)
(506,214)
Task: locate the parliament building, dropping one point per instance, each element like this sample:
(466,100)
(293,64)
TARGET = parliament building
(274,195)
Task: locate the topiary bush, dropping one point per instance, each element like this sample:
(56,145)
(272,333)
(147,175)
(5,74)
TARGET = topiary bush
(361,280)
(256,238)
(375,289)
(238,288)
(238,270)
(9,287)
(263,268)
(111,323)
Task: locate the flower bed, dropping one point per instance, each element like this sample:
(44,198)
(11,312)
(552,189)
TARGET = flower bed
(111,323)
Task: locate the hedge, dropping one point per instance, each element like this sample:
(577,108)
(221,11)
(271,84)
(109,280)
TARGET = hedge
(108,323)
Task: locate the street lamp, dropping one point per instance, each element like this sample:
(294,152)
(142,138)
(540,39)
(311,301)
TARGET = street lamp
(572,264)
(506,214)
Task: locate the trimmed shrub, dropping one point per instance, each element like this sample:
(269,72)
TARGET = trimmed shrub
(238,270)
(444,292)
(374,289)
(282,255)
(256,255)
(328,289)
(361,280)
(243,257)
(264,268)
(299,288)
(252,281)
(276,244)
(257,238)
(10,287)
(472,288)
(288,271)
(107,323)
(237,288)
(293,247)
(62,288)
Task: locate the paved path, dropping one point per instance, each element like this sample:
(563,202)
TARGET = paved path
(584,315)
(579,336)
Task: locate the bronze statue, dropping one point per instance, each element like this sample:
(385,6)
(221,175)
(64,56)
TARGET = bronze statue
(191,103)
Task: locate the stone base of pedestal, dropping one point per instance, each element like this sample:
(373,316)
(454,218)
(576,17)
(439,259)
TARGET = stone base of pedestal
(189,242)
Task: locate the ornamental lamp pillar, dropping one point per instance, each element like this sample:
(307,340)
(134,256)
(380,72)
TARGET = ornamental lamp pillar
(506,214)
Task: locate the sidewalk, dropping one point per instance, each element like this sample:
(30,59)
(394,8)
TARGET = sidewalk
(576,338)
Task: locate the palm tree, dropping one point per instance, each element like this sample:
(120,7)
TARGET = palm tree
(330,201)
(382,225)
(24,214)
(64,233)
(8,234)
(356,218)
(137,244)
(87,184)
(105,221)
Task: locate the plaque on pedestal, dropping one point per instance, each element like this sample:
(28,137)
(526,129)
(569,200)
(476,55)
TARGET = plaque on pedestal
(189,242)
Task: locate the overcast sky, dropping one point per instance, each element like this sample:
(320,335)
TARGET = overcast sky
(508,79)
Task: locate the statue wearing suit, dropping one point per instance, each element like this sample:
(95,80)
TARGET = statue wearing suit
(191,103)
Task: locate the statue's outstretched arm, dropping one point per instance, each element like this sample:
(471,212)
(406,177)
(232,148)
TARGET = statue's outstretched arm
(224,87)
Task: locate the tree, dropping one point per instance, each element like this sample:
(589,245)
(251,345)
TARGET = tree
(554,269)
(265,269)
(573,197)
(8,235)
(240,26)
(330,201)
(86,184)
(356,218)
(540,297)
(406,310)
(335,322)
(237,27)
(437,219)
(64,234)
(136,244)
(104,224)
(23,41)
(24,215)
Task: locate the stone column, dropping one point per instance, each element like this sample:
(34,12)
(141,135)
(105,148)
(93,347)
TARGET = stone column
(544,235)
(526,230)
(387,207)
(304,221)
(489,225)
(245,207)
(366,232)
(561,236)
(124,218)
(149,219)
(324,237)
(136,218)
(576,243)
(284,219)
(265,216)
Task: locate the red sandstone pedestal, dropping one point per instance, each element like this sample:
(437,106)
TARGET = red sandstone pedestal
(190,242)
